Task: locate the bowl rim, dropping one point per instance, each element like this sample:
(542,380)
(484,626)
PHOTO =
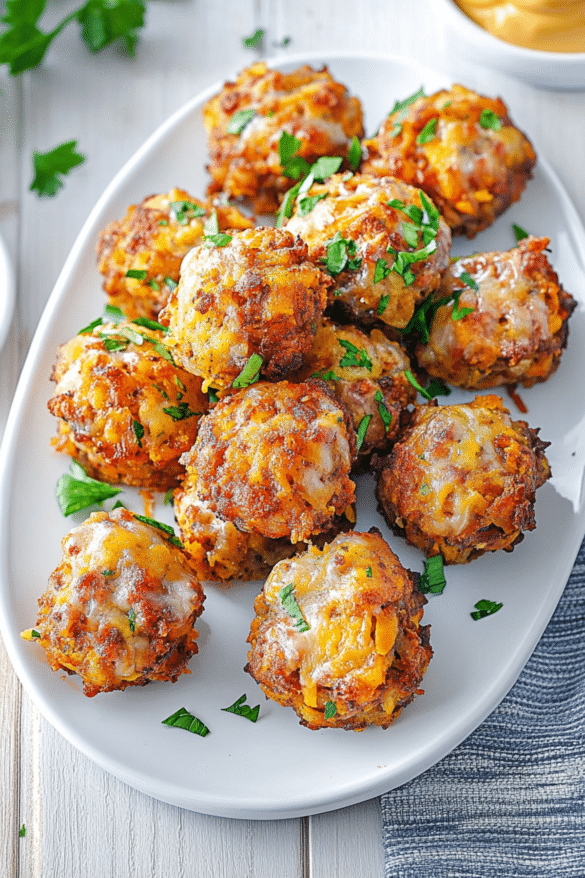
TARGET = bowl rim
(461,20)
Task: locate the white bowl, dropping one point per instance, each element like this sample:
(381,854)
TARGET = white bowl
(560,70)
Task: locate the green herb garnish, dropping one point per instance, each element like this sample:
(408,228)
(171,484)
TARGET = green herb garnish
(369,572)
(254,40)
(308,202)
(76,490)
(362,430)
(354,356)
(184,211)
(412,380)
(330,710)
(138,432)
(159,525)
(35,633)
(180,412)
(22,831)
(381,272)
(401,108)
(137,273)
(326,375)
(384,413)
(182,719)
(485,608)
(433,580)
(519,233)
(132,619)
(489,119)
(325,166)
(429,132)
(51,166)
(239,120)
(341,255)
(212,235)
(383,304)
(168,497)
(437,387)
(289,602)
(150,324)
(354,155)
(250,373)
(244,710)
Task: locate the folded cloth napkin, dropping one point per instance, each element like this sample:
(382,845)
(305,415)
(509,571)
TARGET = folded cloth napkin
(509,802)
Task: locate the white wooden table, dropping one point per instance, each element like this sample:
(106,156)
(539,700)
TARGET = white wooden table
(81,822)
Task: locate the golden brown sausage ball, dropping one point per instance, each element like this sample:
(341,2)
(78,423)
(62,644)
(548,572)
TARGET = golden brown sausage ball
(245,122)
(337,634)
(258,294)
(461,148)
(517,325)
(121,606)
(461,480)
(126,411)
(383,223)
(150,243)
(271,460)
(367,374)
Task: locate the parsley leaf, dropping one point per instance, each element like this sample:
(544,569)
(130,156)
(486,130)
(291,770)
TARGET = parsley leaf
(182,719)
(22,831)
(489,119)
(244,710)
(330,710)
(250,373)
(519,232)
(289,602)
(105,21)
(308,202)
(381,272)
(159,525)
(401,109)
(485,608)
(76,490)
(354,356)
(341,255)
(254,41)
(184,211)
(433,579)
(239,120)
(180,412)
(50,166)
(429,131)
(138,432)
(354,155)
(384,413)
(362,430)
(383,304)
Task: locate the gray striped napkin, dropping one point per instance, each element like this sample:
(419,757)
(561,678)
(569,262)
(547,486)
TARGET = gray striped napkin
(509,802)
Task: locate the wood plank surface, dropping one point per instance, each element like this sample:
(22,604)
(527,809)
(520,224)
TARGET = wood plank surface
(80,821)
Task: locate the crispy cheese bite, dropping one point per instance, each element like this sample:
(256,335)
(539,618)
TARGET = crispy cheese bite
(461,480)
(120,608)
(246,120)
(461,148)
(140,256)
(272,461)
(517,322)
(126,412)
(258,294)
(367,374)
(337,634)
(381,239)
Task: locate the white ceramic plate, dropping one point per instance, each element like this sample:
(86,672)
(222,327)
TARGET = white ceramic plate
(276,768)
(6,292)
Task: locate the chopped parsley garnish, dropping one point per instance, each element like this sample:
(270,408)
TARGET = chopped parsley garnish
(354,356)
(383,304)
(138,432)
(154,284)
(35,633)
(114,314)
(137,273)
(211,234)
(51,166)
(437,387)
(468,281)
(184,211)
(519,233)
(171,284)
(168,497)
(429,132)
(288,147)
(132,619)
(239,120)
(159,525)
(91,326)
(412,380)
(489,119)
(324,167)
(254,41)
(330,710)
(289,602)
(425,222)
(180,412)
(458,312)
(369,572)
(150,324)
(485,608)
(22,831)
(401,108)
(381,271)
(182,719)
(108,572)
(308,202)
(341,255)
(212,395)
(250,373)
(326,375)
(433,580)
(384,413)
(244,710)
(76,490)
(362,430)
(354,155)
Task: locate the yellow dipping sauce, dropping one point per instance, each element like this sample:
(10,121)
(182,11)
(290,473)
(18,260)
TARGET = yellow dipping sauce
(551,26)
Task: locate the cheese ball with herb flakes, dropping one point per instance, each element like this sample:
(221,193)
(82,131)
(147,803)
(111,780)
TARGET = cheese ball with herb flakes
(126,411)
(140,256)
(257,295)
(120,608)
(461,148)
(337,634)
(516,323)
(272,461)
(381,239)
(367,374)
(461,480)
(246,120)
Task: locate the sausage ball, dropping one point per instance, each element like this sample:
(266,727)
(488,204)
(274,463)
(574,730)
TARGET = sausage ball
(381,239)
(461,480)
(258,294)
(272,460)
(120,608)
(140,256)
(367,374)
(505,321)
(126,411)
(337,634)
(461,148)
(246,121)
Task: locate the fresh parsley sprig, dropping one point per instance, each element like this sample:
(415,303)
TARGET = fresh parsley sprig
(76,490)
(50,167)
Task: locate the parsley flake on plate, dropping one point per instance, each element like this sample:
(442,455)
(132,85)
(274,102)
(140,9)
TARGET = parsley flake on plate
(433,580)
(485,608)
(182,719)
(242,709)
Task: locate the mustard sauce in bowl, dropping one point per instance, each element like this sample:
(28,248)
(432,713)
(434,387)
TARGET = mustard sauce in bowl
(545,25)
